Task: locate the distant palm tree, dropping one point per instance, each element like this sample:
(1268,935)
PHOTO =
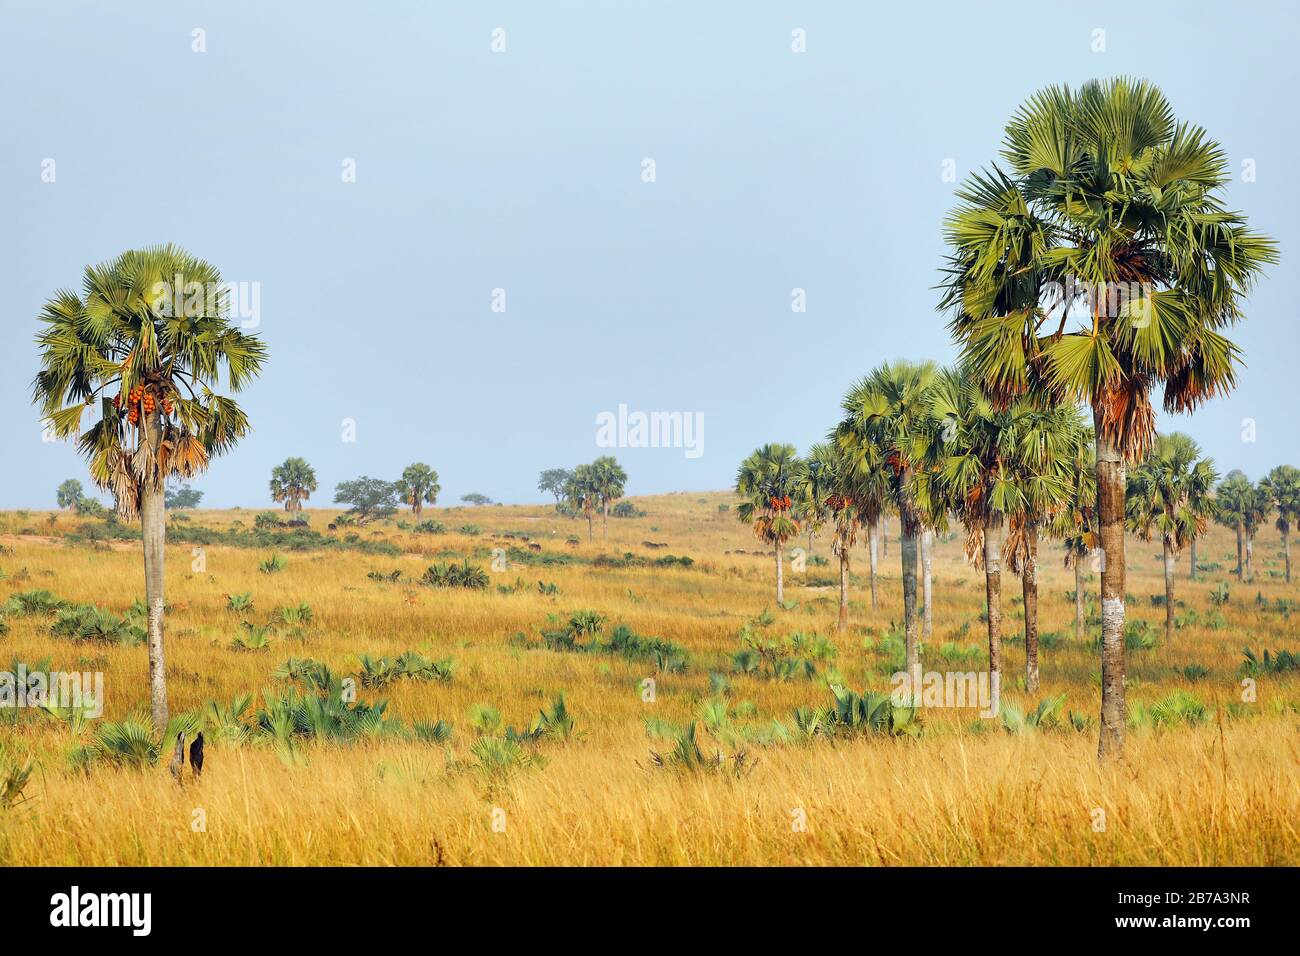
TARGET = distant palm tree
(1112,214)
(610,480)
(418,487)
(1282,485)
(810,497)
(69,494)
(887,417)
(840,496)
(766,482)
(137,326)
(1076,523)
(582,492)
(292,482)
(1157,502)
(1234,499)
(1258,507)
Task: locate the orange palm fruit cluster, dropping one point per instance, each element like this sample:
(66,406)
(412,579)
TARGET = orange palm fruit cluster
(780,504)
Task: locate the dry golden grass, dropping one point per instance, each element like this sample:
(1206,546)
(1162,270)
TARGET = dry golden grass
(1226,792)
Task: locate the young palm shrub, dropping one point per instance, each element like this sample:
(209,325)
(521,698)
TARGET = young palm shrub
(273,565)
(33,603)
(1282,486)
(1158,502)
(766,481)
(1106,191)
(447,574)
(87,623)
(240,603)
(137,328)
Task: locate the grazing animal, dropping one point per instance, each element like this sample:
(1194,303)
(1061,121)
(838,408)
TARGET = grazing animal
(196,756)
(534,546)
(177,766)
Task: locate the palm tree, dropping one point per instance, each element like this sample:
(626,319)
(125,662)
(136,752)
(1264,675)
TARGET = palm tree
(767,480)
(1258,507)
(1282,485)
(610,480)
(1232,501)
(1111,203)
(582,492)
(1157,502)
(1201,507)
(418,487)
(136,326)
(69,494)
(840,496)
(1045,444)
(811,508)
(886,425)
(1076,522)
(292,482)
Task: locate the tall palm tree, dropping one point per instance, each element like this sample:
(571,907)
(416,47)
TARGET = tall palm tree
(69,494)
(1200,506)
(582,492)
(1076,523)
(887,419)
(1234,499)
(1110,214)
(811,507)
(766,482)
(1258,507)
(1157,502)
(136,327)
(418,487)
(840,495)
(1046,440)
(1282,485)
(610,481)
(292,482)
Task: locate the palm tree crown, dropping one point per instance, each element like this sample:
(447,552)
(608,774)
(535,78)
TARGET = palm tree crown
(292,482)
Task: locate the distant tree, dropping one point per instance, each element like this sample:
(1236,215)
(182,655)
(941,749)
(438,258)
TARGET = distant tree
(292,482)
(418,486)
(610,480)
(767,481)
(582,493)
(476,499)
(182,496)
(552,481)
(370,498)
(69,494)
(1233,500)
(1282,485)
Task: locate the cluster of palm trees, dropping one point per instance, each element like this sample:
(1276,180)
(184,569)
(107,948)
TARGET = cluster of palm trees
(1097,262)
(587,489)
(294,480)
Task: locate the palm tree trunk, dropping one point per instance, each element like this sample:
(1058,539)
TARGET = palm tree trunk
(884,537)
(604,521)
(780,578)
(844,587)
(1286,551)
(927,591)
(1193,550)
(1078,597)
(873,546)
(1241,576)
(417,507)
(1110,512)
(1250,551)
(1029,588)
(1171,569)
(810,532)
(591,530)
(908,549)
(993,596)
(153,527)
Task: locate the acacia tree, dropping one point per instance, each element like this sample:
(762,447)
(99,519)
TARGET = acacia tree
(1157,503)
(887,417)
(370,498)
(1110,214)
(608,482)
(767,480)
(292,482)
(138,330)
(552,481)
(1282,485)
(418,487)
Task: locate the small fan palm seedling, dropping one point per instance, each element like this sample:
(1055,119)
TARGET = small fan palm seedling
(253,638)
(273,564)
(33,603)
(452,575)
(240,603)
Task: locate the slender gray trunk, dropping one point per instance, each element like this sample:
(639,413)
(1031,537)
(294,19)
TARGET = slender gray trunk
(844,586)
(927,590)
(1171,569)
(1250,551)
(908,551)
(1110,510)
(873,546)
(153,532)
(780,577)
(604,521)
(1286,551)
(1241,575)
(1193,550)
(993,596)
(1029,589)
(1078,597)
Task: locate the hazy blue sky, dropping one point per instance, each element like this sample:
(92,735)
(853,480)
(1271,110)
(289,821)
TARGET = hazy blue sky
(522,170)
